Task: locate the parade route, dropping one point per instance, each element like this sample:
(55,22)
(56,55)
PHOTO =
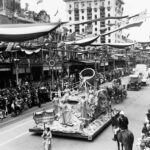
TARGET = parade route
(16,136)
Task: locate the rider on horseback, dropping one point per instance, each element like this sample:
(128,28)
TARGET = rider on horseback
(121,124)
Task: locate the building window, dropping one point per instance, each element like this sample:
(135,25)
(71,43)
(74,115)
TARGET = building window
(95,16)
(82,10)
(70,18)
(109,28)
(108,2)
(82,17)
(102,24)
(95,9)
(108,8)
(76,14)
(95,29)
(89,4)
(76,5)
(103,39)
(108,21)
(69,11)
(82,30)
(109,40)
(70,30)
(89,13)
(82,4)
(70,6)
(108,15)
(95,23)
(77,29)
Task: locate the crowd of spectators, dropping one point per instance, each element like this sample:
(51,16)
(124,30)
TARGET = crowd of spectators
(15,100)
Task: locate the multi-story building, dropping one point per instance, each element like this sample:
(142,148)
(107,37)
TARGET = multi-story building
(84,10)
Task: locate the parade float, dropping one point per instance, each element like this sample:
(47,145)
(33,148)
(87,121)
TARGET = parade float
(82,113)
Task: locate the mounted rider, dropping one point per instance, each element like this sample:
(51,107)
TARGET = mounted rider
(121,124)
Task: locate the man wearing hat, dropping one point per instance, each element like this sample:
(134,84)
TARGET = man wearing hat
(122,124)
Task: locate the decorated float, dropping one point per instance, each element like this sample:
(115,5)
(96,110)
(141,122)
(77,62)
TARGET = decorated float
(82,112)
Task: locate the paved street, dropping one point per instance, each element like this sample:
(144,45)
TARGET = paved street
(16,135)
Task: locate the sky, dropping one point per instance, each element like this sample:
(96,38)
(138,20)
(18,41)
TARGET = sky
(131,7)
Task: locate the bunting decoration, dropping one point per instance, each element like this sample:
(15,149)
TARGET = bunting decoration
(83,42)
(26,32)
(137,24)
(95,20)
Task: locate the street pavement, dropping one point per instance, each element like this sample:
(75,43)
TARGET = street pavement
(16,136)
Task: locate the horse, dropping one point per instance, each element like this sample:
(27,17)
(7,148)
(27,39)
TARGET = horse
(124,137)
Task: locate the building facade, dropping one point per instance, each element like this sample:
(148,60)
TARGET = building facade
(11,12)
(84,10)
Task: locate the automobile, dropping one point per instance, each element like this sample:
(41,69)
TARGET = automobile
(135,82)
(144,77)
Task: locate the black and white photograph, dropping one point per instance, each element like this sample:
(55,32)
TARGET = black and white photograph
(74,75)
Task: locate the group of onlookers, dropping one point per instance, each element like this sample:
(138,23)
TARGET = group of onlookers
(144,141)
(15,100)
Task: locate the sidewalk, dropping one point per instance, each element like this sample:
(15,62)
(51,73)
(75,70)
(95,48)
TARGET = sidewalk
(9,120)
